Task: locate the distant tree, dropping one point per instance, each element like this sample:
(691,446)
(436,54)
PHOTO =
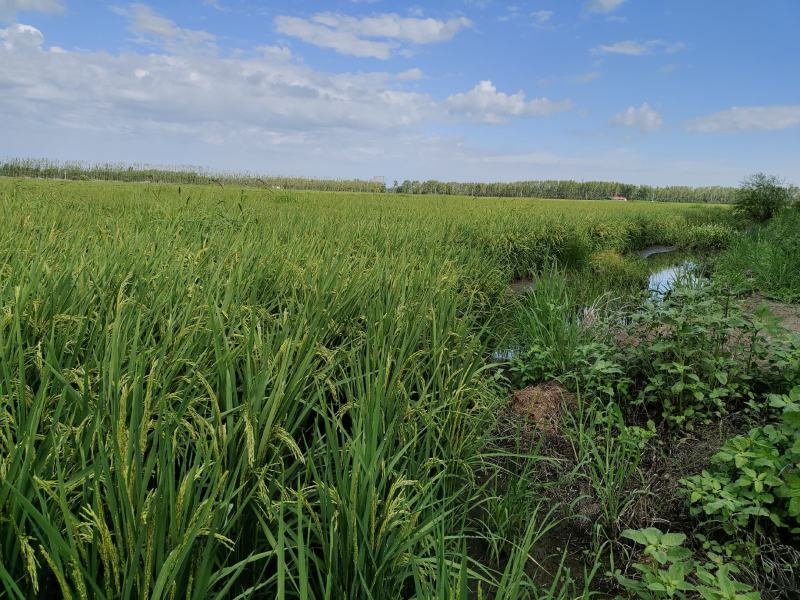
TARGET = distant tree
(794,192)
(760,196)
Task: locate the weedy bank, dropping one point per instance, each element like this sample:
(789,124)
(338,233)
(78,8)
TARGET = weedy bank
(241,393)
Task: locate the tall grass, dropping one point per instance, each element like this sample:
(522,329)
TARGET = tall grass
(211,393)
(767,259)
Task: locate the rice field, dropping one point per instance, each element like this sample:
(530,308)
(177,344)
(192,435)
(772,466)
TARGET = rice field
(249,393)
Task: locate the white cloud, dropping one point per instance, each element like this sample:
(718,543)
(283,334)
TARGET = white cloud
(216,4)
(673,48)
(265,113)
(603,6)
(585,77)
(629,48)
(376,36)
(10,8)
(263,99)
(260,111)
(19,37)
(277,53)
(519,13)
(153,29)
(541,17)
(753,118)
(634,48)
(485,104)
(342,41)
(644,118)
(410,75)
(390,25)
(579,79)
(194,93)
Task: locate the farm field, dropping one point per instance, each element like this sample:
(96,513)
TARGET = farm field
(224,392)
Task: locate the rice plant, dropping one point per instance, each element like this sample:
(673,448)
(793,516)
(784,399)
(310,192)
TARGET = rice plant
(209,392)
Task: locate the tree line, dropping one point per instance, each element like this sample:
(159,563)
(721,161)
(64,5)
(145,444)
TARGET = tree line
(558,189)
(573,190)
(78,171)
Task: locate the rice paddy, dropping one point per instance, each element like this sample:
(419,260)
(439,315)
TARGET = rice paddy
(251,393)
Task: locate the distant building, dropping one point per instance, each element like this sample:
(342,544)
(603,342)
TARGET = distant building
(619,197)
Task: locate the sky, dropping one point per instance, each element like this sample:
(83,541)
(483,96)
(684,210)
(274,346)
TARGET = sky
(642,91)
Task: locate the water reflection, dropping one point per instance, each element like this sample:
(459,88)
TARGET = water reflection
(665,280)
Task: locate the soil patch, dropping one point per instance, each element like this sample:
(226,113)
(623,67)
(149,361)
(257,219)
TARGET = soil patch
(543,404)
(663,468)
(788,315)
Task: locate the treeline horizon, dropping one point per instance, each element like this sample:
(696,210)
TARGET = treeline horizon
(80,171)
(565,189)
(556,189)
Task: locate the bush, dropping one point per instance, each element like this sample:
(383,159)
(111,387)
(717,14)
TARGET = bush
(668,570)
(686,370)
(754,479)
(695,356)
(761,196)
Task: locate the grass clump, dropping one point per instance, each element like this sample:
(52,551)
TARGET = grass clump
(766,259)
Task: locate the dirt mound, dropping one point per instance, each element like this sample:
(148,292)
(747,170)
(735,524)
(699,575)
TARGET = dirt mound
(542,404)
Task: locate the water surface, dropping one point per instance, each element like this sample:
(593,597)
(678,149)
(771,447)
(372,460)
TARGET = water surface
(664,280)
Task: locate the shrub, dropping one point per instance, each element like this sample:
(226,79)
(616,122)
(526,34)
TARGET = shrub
(754,480)
(761,196)
(695,356)
(686,371)
(669,571)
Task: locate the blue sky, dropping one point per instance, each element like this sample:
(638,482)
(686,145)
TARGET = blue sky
(645,91)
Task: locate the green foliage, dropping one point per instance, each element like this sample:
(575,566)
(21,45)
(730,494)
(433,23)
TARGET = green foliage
(619,272)
(608,455)
(209,392)
(572,190)
(695,355)
(766,259)
(754,480)
(549,330)
(709,236)
(77,171)
(760,197)
(670,571)
(228,395)
(598,375)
